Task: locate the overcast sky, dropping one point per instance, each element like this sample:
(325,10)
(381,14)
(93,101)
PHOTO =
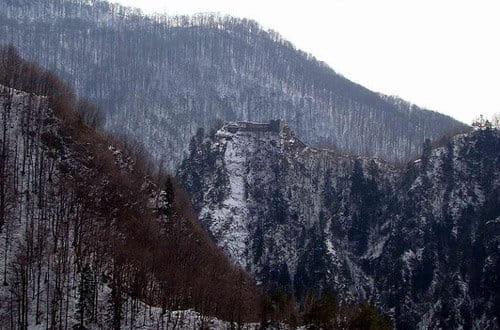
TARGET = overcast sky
(439,54)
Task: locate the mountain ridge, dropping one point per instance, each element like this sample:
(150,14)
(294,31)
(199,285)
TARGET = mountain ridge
(301,219)
(191,72)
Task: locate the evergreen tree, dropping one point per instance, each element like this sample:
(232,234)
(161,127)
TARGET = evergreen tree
(357,180)
(364,195)
(426,153)
(323,312)
(279,207)
(368,318)
(169,190)
(86,292)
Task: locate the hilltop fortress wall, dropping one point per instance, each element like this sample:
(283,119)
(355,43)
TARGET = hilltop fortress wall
(276,126)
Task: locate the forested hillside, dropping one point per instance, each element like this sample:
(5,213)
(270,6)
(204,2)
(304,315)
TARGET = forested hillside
(90,236)
(95,236)
(420,241)
(160,78)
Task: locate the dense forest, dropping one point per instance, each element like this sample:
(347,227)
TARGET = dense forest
(93,235)
(191,72)
(89,232)
(420,240)
(257,229)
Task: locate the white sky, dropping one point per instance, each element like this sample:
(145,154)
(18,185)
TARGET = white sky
(440,54)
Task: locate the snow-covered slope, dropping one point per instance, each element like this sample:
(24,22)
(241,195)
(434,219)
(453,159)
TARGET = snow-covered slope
(71,252)
(421,241)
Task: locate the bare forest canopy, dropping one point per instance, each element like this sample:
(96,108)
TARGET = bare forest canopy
(84,208)
(161,78)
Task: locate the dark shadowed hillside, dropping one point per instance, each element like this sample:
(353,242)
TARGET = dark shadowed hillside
(421,241)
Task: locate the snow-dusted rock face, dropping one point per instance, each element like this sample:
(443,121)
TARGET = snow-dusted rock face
(422,242)
(159,79)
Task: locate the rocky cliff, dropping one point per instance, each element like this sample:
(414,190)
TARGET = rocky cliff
(421,241)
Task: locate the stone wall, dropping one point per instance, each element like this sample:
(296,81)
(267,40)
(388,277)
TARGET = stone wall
(247,126)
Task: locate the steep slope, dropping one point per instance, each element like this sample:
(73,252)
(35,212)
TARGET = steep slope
(420,242)
(161,78)
(89,237)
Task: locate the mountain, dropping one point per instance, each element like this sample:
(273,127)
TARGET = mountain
(161,78)
(90,238)
(421,241)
